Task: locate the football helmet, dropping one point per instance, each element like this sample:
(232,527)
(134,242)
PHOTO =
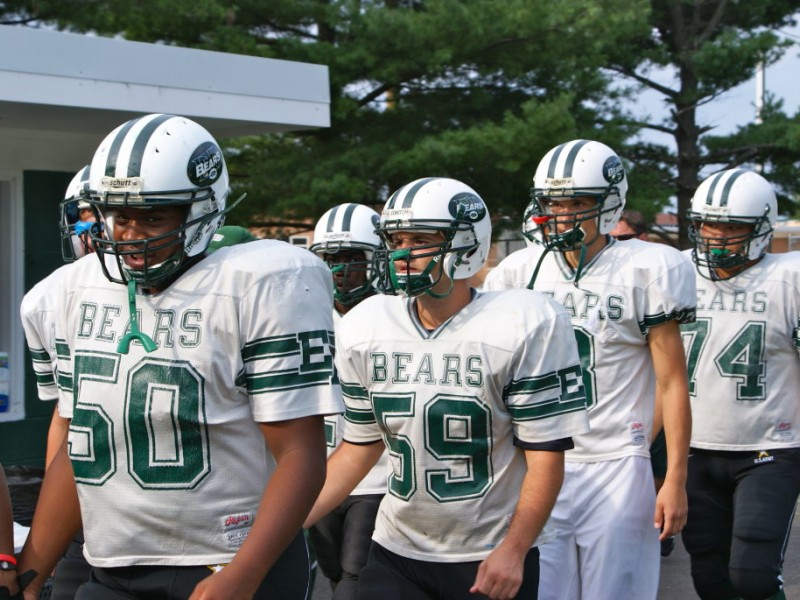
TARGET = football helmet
(74,227)
(733,196)
(436,204)
(348,227)
(154,161)
(576,169)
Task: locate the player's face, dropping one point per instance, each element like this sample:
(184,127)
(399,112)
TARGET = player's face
(730,237)
(86,215)
(134,224)
(349,268)
(569,210)
(422,247)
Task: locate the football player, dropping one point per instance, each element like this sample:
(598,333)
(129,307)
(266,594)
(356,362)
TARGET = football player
(744,374)
(631,225)
(625,301)
(38,312)
(345,238)
(195,389)
(474,395)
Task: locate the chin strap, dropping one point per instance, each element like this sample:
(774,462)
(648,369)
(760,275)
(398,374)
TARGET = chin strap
(135,333)
(578,270)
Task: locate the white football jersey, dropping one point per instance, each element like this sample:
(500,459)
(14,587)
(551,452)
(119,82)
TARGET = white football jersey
(450,405)
(742,356)
(625,290)
(166,448)
(375,481)
(37,312)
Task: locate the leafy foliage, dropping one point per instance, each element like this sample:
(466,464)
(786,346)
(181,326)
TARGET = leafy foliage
(475,89)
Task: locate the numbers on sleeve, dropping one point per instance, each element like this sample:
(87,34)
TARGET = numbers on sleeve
(586,352)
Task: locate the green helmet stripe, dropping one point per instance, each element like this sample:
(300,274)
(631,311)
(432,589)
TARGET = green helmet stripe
(570,162)
(137,153)
(723,201)
(573,154)
(113,152)
(409,195)
(348,216)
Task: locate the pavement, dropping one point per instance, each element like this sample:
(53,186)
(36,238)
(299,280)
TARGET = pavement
(676,579)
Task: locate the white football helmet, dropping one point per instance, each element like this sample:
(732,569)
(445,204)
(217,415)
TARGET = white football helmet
(576,169)
(75,230)
(159,160)
(437,204)
(348,227)
(732,196)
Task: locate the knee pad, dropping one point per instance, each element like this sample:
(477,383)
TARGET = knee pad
(710,577)
(752,584)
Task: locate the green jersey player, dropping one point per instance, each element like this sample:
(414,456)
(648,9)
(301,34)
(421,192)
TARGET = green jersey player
(475,397)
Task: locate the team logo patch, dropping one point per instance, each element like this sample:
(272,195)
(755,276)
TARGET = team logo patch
(205,164)
(613,171)
(467,207)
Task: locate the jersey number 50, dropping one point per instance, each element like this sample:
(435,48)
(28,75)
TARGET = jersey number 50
(164,424)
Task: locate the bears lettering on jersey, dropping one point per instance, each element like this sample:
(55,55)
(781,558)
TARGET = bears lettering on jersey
(742,301)
(450,369)
(108,322)
(579,303)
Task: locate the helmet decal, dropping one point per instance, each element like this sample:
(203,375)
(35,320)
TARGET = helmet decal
(205,164)
(613,170)
(467,207)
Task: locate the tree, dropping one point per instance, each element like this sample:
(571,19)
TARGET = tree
(712,46)
(474,89)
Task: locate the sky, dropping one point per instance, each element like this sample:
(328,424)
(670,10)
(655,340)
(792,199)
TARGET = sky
(737,106)
(782,79)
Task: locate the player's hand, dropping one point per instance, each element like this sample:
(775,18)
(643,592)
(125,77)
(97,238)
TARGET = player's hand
(226,584)
(12,586)
(500,574)
(671,509)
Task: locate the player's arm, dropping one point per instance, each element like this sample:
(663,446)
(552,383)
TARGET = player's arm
(672,392)
(55,522)
(8,579)
(500,574)
(347,466)
(56,434)
(298,446)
